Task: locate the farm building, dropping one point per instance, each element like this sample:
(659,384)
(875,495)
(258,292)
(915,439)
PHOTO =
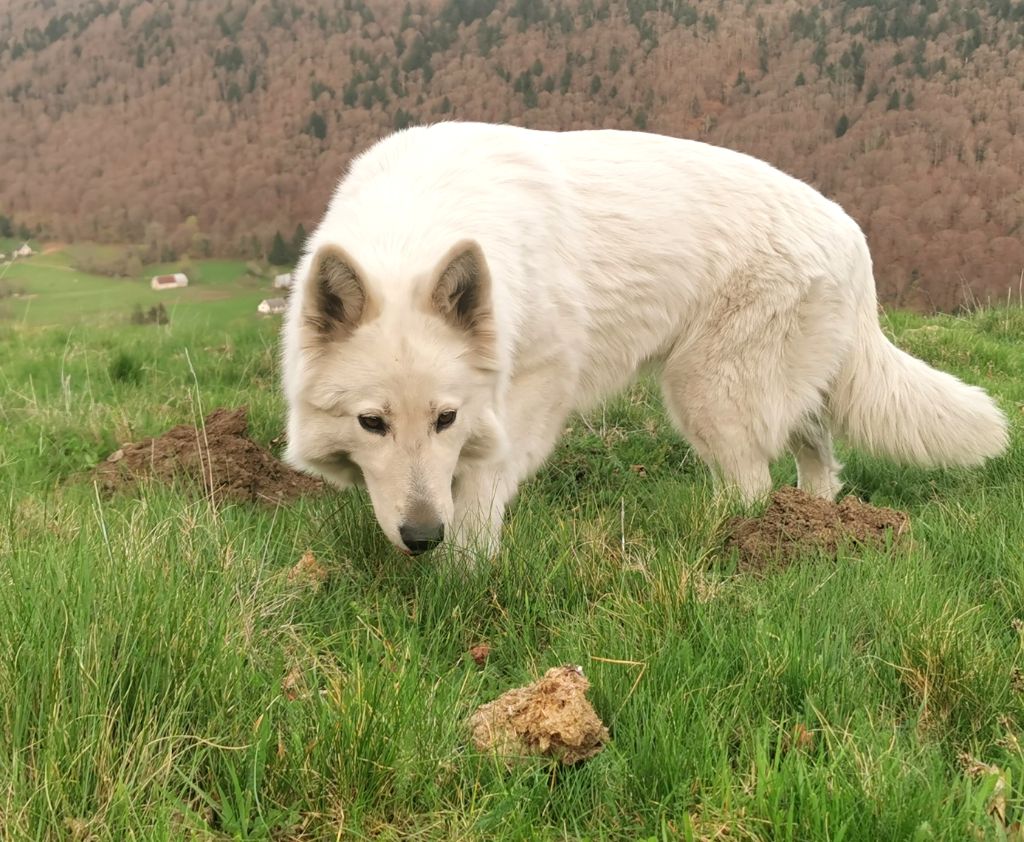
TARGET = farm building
(175,281)
(272,306)
(283,281)
(25,250)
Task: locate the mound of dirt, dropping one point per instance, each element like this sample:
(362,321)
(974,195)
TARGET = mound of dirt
(550,717)
(219,457)
(796,523)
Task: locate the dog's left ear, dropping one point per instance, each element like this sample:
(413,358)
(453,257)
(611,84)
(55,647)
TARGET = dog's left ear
(461,294)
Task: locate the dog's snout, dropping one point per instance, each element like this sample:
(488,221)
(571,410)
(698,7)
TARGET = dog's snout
(420,537)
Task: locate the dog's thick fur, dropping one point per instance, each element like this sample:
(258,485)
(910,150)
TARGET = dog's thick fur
(513,276)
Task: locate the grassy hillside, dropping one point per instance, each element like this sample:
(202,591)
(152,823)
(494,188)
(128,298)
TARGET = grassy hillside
(52,291)
(161,677)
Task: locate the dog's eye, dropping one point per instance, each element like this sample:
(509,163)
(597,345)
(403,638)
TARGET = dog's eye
(373,424)
(445,420)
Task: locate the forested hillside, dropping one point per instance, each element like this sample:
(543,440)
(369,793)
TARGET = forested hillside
(203,126)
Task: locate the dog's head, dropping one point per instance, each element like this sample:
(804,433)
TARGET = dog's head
(392,393)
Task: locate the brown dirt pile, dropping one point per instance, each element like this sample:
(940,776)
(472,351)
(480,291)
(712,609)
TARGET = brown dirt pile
(550,717)
(219,456)
(796,523)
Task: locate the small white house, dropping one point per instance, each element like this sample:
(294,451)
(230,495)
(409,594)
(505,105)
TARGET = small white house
(272,306)
(175,281)
(283,281)
(24,250)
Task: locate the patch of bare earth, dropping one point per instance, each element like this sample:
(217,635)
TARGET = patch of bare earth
(218,457)
(796,523)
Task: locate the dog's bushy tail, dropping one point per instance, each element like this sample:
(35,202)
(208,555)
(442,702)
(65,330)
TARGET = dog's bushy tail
(894,405)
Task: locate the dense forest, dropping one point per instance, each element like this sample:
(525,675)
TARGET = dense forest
(201,126)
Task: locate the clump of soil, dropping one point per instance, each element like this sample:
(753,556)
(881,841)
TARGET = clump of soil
(219,457)
(480,653)
(550,717)
(796,523)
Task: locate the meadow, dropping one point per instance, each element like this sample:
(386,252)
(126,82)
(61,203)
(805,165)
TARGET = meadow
(163,678)
(52,291)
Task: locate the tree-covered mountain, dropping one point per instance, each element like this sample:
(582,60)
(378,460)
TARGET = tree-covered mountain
(207,126)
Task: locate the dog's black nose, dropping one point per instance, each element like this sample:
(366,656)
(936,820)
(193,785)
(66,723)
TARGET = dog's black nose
(420,537)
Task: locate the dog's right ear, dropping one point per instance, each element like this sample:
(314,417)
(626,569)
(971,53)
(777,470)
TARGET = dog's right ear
(335,300)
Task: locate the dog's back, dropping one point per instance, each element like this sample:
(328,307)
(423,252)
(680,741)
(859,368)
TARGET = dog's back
(594,233)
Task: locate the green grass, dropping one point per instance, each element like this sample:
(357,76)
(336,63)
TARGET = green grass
(54,292)
(145,638)
(9,244)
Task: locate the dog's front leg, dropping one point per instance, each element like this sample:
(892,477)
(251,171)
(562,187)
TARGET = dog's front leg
(480,497)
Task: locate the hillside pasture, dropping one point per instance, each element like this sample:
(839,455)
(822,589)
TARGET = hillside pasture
(162,677)
(54,292)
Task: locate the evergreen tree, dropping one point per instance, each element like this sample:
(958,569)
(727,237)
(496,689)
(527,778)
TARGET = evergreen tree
(280,254)
(842,125)
(820,54)
(316,126)
(566,79)
(418,55)
(402,119)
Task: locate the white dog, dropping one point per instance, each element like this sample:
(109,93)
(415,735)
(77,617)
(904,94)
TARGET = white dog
(471,285)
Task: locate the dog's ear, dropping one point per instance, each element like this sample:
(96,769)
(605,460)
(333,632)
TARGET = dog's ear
(461,294)
(336,300)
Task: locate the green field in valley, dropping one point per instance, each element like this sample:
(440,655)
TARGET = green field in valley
(51,291)
(162,677)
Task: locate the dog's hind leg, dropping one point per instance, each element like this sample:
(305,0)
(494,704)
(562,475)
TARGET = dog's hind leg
(816,465)
(721,428)
(743,378)
(738,465)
